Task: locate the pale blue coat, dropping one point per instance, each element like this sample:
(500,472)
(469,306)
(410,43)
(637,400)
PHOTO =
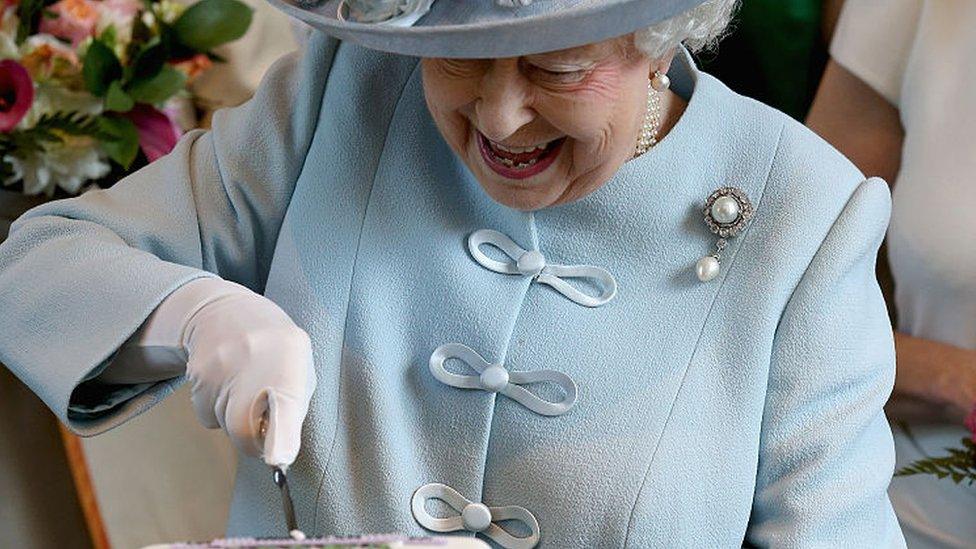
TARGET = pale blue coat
(744,410)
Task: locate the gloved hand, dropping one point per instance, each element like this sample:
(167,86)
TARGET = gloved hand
(245,358)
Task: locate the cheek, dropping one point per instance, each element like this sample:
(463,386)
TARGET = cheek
(595,111)
(446,101)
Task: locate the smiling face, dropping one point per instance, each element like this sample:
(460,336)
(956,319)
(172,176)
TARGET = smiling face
(544,129)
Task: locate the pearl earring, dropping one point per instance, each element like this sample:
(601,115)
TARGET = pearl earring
(653,117)
(727,211)
(660,81)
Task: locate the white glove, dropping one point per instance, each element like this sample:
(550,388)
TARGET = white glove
(245,358)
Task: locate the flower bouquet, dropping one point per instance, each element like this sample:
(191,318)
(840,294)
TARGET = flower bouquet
(90,90)
(959,465)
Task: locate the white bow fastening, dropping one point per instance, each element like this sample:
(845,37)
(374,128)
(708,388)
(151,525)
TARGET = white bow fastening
(473,517)
(533,263)
(495,378)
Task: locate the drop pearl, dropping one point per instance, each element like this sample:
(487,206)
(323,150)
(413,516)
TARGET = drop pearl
(725,210)
(707,268)
(660,82)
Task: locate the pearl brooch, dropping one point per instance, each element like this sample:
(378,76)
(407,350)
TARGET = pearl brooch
(727,211)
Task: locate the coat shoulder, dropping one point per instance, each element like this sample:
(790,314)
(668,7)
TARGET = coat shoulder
(810,185)
(809,189)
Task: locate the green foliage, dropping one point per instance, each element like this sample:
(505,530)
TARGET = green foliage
(29,13)
(959,465)
(120,139)
(117,135)
(148,78)
(157,89)
(210,23)
(46,132)
(109,37)
(101,68)
(116,99)
(147,61)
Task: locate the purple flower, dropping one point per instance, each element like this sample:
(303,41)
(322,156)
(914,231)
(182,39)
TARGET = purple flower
(157,133)
(971,422)
(16,94)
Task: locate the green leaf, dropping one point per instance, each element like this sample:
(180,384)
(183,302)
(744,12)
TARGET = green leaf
(29,16)
(959,466)
(109,37)
(116,99)
(158,88)
(120,139)
(210,23)
(101,68)
(72,123)
(147,62)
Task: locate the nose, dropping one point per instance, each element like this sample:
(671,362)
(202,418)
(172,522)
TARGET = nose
(503,104)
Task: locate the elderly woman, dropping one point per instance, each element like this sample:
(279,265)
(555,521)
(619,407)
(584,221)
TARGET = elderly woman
(550,285)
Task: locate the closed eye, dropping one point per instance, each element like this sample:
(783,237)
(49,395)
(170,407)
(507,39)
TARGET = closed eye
(461,68)
(557,75)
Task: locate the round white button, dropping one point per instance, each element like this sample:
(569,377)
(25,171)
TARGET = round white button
(494,378)
(476,517)
(725,210)
(531,263)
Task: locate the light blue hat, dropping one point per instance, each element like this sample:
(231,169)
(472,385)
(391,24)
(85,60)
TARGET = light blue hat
(480,28)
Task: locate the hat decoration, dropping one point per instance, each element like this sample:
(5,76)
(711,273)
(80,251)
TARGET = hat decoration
(397,13)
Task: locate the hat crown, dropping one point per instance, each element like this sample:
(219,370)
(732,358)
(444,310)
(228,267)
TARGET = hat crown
(480,28)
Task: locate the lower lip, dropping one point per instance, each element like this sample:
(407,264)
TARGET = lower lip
(518,173)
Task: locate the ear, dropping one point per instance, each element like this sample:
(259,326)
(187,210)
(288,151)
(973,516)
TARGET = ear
(662,64)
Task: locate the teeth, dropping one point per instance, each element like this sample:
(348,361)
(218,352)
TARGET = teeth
(519,150)
(511,164)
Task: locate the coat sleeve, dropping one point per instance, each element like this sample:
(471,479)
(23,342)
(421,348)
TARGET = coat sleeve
(826,452)
(79,276)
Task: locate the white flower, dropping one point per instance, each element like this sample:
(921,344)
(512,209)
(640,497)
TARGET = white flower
(8,33)
(68,166)
(169,11)
(390,12)
(120,15)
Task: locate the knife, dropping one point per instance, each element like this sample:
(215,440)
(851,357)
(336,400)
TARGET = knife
(281,481)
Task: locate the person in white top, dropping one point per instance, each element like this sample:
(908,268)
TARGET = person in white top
(899,98)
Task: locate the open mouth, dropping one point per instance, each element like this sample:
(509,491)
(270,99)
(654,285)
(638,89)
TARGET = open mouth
(519,162)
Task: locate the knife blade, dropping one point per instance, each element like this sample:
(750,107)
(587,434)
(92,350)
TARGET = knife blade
(281,481)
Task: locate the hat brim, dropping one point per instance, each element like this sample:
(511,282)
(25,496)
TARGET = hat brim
(482,29)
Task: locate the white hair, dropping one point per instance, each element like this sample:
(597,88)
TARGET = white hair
(699,28)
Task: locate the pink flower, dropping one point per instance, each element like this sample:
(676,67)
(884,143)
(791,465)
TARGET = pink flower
(48,57)
(75,20)
(122,8)
(157,133)
(119,14)
(971,422)
(16,94)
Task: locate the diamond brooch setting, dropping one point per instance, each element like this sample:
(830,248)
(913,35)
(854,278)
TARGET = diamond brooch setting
(727,212)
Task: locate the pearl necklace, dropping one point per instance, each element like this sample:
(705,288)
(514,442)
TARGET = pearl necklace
(653,117)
